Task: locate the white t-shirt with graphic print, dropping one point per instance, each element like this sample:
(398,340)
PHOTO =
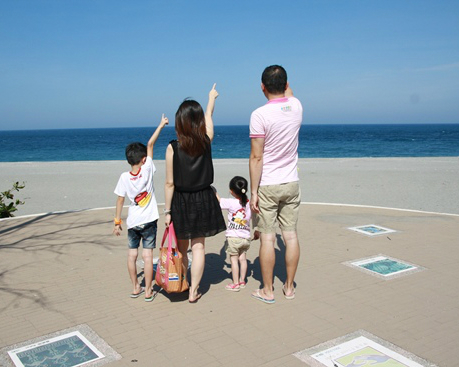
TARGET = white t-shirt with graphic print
(238,218)
(140,191)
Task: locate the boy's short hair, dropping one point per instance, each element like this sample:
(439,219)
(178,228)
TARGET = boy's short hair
(135,152)
(274,78)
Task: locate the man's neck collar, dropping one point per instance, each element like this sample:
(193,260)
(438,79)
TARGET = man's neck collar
(277,99)
(275,96)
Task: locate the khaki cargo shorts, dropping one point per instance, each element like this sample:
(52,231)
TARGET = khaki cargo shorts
(278,203)
(236,245)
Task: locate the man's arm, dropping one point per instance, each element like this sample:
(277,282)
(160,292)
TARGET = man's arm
(213,94)
(119,208)
(288,91)
(164,121)
(255,168)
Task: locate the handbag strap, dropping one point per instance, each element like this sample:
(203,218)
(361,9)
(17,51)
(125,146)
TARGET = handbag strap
(169,233)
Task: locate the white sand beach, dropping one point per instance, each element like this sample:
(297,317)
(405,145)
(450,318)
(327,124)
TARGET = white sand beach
(426,184)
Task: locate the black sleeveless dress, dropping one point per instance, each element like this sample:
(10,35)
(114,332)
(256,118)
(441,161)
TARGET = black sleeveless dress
(195,209)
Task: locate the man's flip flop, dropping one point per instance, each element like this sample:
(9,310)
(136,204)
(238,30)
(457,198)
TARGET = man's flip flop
(259,297)
(137,295)
(292,296)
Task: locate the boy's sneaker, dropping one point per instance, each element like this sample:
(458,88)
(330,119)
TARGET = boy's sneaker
(232,287)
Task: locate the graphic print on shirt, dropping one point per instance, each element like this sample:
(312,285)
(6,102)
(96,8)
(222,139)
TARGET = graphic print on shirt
(238,221)
(142,199)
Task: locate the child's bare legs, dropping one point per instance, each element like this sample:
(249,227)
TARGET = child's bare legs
(197,266)
(242,267)
(235,268)
(132,269)
(147,256)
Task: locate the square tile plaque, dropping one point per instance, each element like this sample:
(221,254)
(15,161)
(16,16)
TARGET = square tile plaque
(360,349)
(67,348)
(372,230)
(384,267)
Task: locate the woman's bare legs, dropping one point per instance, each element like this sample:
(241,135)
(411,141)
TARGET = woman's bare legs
(183,249)
(197,266)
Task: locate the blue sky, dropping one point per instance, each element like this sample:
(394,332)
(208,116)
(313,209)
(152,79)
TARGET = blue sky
(100,63)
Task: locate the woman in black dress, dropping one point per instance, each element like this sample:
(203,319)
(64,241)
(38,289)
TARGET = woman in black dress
(191,203)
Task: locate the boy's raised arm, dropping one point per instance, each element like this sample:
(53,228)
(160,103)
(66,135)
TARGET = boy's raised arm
(213,94)
(154,137)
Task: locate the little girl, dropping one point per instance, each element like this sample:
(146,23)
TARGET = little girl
(238,231)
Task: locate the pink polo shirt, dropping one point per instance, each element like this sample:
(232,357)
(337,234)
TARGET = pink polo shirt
(278,122)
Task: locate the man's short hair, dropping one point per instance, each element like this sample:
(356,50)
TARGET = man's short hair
(274,78)
(135,152)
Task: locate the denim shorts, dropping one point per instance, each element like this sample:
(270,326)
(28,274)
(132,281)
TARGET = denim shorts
(146,232)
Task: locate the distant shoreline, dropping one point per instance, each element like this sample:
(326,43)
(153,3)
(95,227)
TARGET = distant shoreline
(427,184)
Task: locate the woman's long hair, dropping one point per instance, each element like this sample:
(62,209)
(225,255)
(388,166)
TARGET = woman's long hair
(190,126)
(239,186)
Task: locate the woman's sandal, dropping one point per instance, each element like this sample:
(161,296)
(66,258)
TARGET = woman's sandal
(198,296)
(289,297)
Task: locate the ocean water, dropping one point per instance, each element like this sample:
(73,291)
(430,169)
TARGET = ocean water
(316,141)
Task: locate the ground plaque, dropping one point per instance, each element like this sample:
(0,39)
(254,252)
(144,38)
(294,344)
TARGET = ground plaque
(78,346)
(360,349)
(372,230)
(384,267)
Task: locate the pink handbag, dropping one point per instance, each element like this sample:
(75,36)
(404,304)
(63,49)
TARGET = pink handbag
(170,270)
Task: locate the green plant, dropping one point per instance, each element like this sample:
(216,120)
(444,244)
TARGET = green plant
(6,209)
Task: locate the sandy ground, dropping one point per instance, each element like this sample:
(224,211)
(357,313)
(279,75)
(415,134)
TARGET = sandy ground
(427,184)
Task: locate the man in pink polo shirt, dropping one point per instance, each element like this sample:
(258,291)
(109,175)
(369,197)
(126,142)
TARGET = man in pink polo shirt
(275,192)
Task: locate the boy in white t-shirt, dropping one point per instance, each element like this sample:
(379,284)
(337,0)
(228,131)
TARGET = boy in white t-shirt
(137,185)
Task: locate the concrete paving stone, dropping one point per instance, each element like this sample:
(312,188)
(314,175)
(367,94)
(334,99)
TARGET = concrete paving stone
(203,334)
(269,348)
(126,345)
(285,361)
(176,357)
(166,339)
(207,363)
(312,326)
(217,343)
(240,358)
(246,337)
(17,334)
(224,351)
(443,355)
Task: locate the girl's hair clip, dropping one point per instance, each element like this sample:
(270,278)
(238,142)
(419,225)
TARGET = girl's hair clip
(243,191)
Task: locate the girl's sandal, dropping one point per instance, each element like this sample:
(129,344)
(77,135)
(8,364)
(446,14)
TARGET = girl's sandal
(232,287)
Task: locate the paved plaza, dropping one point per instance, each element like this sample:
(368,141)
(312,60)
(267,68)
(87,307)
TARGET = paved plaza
(66,270)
